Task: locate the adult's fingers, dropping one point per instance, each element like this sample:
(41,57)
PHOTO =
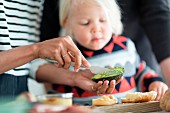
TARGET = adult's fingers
(85,62)
(58,57)
(97,86)
(104,87)
(88,74)
(66,59)
(111,87)
(120,79)
(79,58)
(72,48)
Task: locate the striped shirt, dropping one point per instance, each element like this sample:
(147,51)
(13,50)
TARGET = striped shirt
(19,26)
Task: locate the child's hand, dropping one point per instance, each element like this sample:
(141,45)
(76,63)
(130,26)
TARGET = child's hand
(159,87)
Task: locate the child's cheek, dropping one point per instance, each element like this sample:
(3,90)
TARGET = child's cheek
(83,39)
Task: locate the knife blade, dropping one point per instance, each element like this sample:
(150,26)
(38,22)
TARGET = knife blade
(93,69)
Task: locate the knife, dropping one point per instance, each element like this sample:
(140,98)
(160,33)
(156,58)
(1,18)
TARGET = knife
(93,69)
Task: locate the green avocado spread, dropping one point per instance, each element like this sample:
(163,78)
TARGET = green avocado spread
(113,73)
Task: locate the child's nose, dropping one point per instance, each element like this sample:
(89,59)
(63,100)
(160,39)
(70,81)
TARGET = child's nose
(96,29)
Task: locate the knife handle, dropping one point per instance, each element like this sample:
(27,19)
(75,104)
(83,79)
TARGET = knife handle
(72,63)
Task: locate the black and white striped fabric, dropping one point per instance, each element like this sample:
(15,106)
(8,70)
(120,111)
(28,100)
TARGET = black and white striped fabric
(19,26)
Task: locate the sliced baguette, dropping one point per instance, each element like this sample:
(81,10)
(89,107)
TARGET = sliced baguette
(139,97)
(106,100)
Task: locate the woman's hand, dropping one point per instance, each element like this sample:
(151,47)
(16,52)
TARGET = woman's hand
(63,50)
(83,80)
(159,87)
(104,87)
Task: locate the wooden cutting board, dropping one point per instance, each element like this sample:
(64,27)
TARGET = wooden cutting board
(130,107)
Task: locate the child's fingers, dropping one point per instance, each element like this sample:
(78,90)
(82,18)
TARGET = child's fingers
(155,89)
(163,91)
(158,94)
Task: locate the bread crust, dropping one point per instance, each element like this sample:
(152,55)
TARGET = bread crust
(165,101)
(104,101)
(139,97)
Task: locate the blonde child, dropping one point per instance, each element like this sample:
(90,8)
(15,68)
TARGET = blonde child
(95,26)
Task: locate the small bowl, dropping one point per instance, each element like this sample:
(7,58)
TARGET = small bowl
(56,99)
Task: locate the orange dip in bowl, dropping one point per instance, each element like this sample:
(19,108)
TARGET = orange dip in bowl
(56,99)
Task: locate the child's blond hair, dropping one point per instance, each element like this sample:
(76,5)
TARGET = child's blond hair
(110,6)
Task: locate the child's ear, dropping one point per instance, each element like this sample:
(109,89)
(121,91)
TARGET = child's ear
(67,26)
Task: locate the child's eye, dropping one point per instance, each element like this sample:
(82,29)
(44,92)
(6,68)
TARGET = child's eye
(85,23)
(102,20)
